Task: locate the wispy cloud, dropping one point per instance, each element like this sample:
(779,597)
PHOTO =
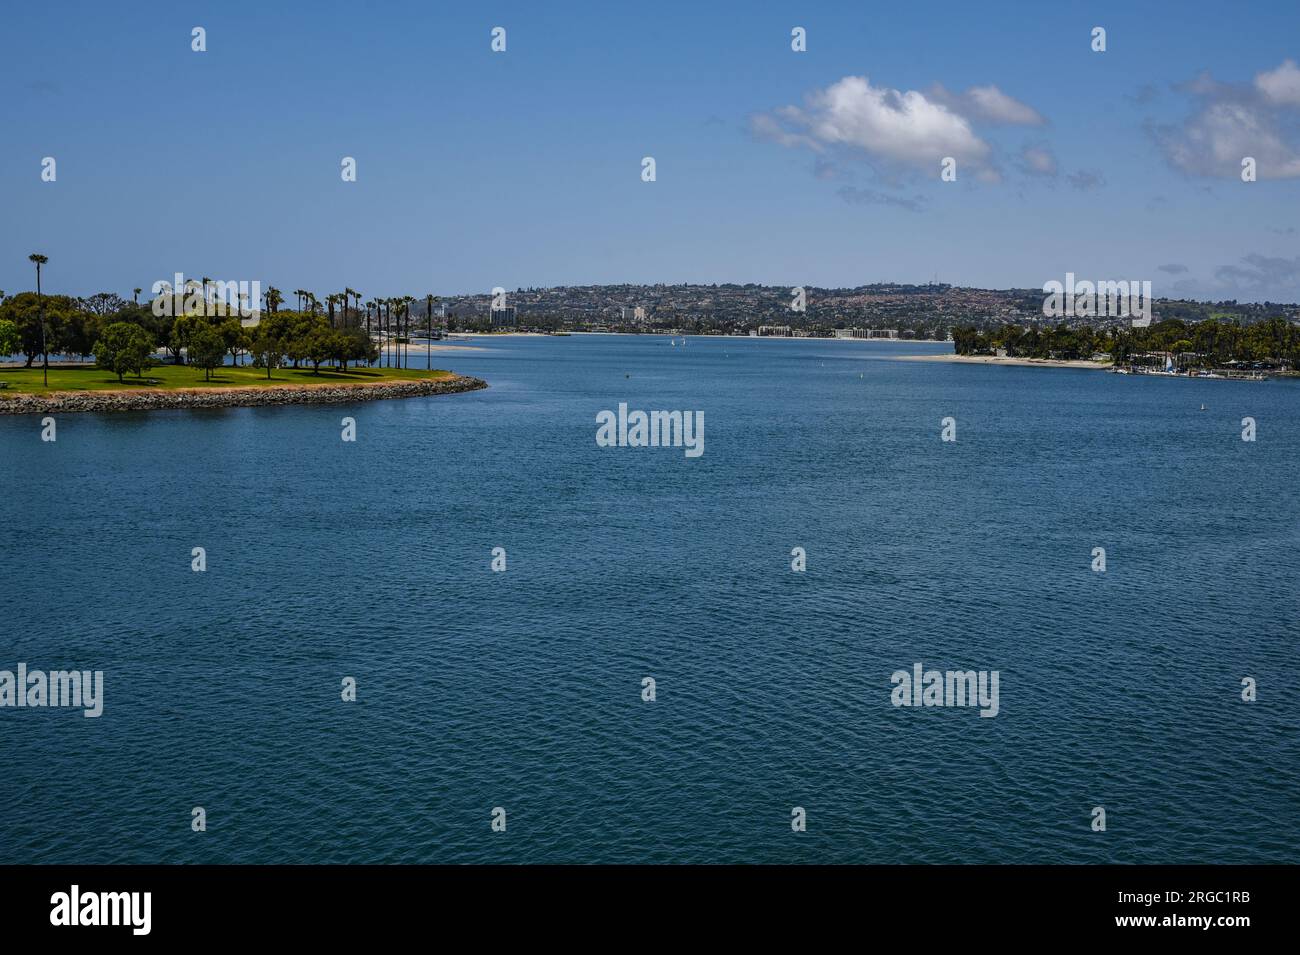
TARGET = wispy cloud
(869,197)
(1262,276)
(988,104)
(1232,121)
(1253,278)
(1086,179)
(1038,160)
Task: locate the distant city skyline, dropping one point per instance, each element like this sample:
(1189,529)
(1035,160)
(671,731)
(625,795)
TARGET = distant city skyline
(523,168)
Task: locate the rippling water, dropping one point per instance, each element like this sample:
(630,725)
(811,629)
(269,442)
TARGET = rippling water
(523,689)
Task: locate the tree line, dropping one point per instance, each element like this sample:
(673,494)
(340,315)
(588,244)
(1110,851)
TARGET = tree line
(1273,340)
(124,335)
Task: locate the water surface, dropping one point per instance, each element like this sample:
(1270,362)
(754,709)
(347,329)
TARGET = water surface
(523,689)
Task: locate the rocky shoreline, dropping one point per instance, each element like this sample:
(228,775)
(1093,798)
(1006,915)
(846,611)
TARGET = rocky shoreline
(107,401)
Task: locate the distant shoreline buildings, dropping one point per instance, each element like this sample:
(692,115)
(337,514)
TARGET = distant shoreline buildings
(882,311)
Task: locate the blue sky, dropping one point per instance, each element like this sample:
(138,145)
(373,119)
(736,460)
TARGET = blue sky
(523,168)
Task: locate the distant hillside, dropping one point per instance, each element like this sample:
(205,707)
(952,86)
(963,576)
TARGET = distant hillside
(920,310)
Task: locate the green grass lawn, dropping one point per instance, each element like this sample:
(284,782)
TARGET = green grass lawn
(171,377)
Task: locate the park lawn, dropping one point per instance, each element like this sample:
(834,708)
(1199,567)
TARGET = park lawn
(173,377)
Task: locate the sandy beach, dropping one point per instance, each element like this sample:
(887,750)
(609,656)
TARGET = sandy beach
(421,348)
(1018,362)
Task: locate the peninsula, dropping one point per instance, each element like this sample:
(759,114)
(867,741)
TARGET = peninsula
(84,387)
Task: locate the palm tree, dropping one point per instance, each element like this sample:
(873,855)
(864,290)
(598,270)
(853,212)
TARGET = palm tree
(273,298)
(40,310)
(428,333)
(407,302)
(348,295)
(135,295)
(402,310)
(394,329)
(302,297)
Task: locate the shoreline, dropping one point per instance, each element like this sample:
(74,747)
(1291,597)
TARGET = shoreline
(658,334)
(159,399)
(1011,362)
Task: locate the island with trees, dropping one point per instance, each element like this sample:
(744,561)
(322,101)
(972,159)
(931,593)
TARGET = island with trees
(1271,346)
(189,348)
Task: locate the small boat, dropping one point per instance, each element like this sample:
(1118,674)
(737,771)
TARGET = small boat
(1202,407)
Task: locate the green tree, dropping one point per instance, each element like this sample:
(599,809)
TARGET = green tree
(318,347)
(124,347)
(206,348)
(267,348)
(235,336)
(10,340)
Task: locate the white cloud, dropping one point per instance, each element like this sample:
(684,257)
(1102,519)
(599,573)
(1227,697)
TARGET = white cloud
(1281,86)
(901,127)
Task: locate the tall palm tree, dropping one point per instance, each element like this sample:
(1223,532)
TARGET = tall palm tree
(403,309)
(40,311)
(348,295)
(428,333)
(395,329)
(302,297)
(273,298)
(408,301)
(135,295)
(387,306)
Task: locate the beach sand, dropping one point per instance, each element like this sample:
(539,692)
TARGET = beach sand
(1018,362)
